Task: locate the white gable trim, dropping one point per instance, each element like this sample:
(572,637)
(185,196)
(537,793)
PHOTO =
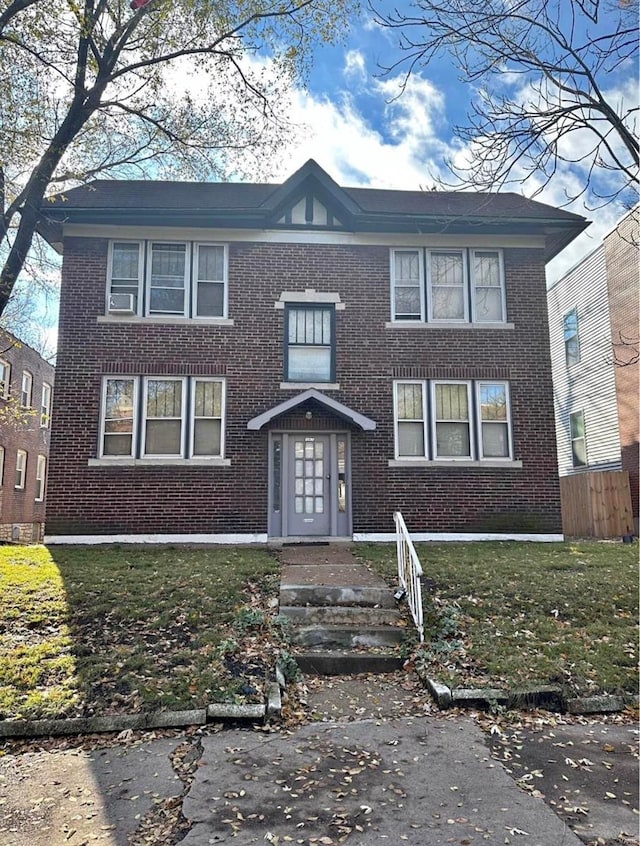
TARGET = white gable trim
(365,423)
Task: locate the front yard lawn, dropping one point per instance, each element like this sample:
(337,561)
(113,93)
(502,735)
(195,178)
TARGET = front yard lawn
(113,629)
(513,615)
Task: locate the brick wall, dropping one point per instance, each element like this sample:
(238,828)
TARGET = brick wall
(250,354)
(621,254)
(21,517)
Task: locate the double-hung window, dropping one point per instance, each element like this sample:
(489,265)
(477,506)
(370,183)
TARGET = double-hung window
(45,406)
(167,279)
(1,466)
(309,343)
(452,420)
(5,378)
(177,417)
(578,439)
(41,476)
(26,389)
(457,285)
(21,469)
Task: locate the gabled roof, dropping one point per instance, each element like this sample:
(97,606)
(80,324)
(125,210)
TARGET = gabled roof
(308,199)
(365,423)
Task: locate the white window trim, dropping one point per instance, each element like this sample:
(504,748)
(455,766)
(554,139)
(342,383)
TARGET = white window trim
(144,418)
(185,277)
(2,454)
(45,407)
(575,361)
(434,439)
(572,440)
(224,281)
(108,292)
(27,378)
(103,416)
(41,473)
(397,421)
(4,389)
(21,469)
(192,417)
(465,288)
(421,284)
(479,422)
(503,297)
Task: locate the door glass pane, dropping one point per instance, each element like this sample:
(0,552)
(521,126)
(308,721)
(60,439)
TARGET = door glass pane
(299,449)
(319,487)
(319,449)
(342,481)
(277,475)
(319,505)
(309,486)
(299,505)
(308,449)
(308,468)
(308,505)
(319,467)
(299,469)
(299,486)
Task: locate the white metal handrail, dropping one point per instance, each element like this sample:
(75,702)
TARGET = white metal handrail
(409,572)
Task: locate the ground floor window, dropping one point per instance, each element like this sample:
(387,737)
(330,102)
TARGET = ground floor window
(578,439)
(452,420)
(162,417)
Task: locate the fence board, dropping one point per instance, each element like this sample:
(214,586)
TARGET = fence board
(596,504)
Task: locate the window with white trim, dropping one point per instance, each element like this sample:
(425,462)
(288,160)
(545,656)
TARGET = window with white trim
(1,466)
(182,279)
(26,389)
(457,285)
(5,378)
(309,343)
(452,420)
(571,337)
(177,417)
(41,476)
(21,469)
(45,406)
(578,439)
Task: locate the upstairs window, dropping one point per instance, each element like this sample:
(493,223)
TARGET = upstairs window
(310,343)
(45,406)
(571,338)
(457,285)
(181,279)
(26,389)
(5,378)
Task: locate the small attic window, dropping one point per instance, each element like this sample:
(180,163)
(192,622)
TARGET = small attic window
(309,211)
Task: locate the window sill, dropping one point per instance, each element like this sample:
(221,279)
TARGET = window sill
(204,321)
(159,462)
(303,386)
(423,324)
(505,464)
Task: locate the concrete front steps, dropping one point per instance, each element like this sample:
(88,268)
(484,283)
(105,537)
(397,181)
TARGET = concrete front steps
(344,619)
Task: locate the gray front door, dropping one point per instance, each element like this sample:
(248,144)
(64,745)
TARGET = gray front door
(308,502)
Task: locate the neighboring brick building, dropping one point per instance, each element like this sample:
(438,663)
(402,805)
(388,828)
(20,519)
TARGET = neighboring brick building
(250,362)
(594,330)
(26,385)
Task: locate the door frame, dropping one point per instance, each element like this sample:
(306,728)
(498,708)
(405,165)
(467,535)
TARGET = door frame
(341,525)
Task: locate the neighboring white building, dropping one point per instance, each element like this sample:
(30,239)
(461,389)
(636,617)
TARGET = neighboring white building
(583,371)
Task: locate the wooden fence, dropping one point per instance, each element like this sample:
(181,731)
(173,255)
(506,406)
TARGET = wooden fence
(596,504)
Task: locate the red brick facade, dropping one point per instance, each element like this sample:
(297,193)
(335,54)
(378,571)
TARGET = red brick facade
(85,500)
(621,256)
(22,510)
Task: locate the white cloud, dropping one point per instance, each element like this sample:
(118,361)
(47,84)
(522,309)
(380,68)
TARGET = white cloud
(355,65)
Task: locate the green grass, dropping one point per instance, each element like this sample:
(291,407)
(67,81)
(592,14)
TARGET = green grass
(521,614)
(105,629)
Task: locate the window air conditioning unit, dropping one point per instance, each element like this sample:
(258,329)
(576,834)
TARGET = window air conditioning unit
(121,304)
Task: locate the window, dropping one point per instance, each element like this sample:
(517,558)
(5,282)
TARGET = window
(45,406)
(571,339)
(175,286)
(578,440)
(1,466)
(178,417)
(41,473)
(310,348)
(26,389)
(5,378)
(21,469)
(452,420)
(458,285)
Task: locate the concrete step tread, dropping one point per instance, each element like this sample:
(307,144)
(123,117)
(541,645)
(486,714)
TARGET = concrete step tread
(340,614)
(339,662)
(348,596)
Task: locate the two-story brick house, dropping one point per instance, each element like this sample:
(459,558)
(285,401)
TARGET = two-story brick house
(26,386)
(244,362)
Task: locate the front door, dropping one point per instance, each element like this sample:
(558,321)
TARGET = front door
(308,501)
